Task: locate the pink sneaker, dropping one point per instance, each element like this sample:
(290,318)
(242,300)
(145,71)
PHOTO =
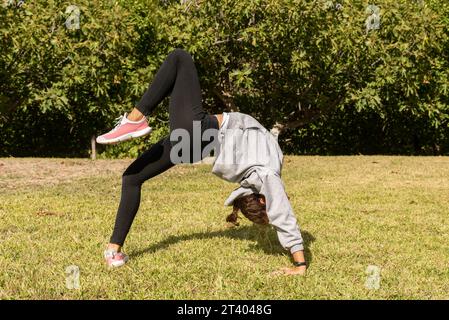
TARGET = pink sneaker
(125,130)
(115,259)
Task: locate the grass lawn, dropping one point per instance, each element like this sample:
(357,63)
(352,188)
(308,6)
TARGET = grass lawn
(391,212)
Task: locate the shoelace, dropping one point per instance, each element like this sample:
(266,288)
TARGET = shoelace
(118,122)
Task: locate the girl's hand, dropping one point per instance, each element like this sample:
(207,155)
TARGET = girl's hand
(291,271)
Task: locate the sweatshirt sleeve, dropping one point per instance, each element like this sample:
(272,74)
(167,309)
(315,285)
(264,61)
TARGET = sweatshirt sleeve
(280,213)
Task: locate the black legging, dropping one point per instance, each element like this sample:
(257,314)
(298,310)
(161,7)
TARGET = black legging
(177,77)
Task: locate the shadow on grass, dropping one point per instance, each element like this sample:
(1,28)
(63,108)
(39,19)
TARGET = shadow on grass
(265,239)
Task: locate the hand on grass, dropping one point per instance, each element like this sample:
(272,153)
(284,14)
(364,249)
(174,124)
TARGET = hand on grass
(291,271)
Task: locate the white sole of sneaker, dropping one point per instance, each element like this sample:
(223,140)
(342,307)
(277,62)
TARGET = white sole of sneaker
(128,136)
(118,264)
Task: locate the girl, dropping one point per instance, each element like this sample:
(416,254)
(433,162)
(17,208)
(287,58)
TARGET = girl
(247,154)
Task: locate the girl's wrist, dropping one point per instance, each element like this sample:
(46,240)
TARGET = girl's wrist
(299,264)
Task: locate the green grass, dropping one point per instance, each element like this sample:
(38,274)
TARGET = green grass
(392,212)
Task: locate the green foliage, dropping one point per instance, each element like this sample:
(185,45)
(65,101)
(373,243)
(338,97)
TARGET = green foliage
(311,67)
(74,82)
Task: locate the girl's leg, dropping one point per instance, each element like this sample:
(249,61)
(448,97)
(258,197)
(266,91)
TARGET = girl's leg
(151,163)
(177,77)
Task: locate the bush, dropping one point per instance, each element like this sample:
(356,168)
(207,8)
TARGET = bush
(59,85)
(310,68)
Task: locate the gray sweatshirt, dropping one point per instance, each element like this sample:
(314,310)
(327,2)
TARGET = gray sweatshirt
(250,155)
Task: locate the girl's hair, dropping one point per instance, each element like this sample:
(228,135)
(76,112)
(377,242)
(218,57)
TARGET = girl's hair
(251,207)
